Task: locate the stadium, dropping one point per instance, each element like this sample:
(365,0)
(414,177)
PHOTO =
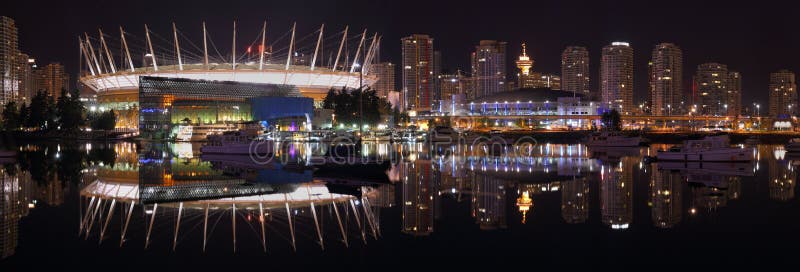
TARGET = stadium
(313,63)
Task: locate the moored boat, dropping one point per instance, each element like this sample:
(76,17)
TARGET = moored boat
(793,146)
(612,139)
(709,149)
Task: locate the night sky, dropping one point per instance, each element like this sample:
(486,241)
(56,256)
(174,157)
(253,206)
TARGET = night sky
(754,38)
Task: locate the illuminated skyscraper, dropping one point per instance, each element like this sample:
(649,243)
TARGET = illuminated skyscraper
(666,88)
(616,77)
(489,67)
(27,78)
(51,79)
(451,84)
(782,94)
(386,81)
(711,81)
(418,72)
(9,60)
(734,93)
(575,70)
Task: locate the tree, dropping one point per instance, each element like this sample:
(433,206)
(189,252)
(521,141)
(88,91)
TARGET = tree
(37,112)
(70,111)
(11,116)
(612,120)
(24,114)
(51,113)
(103,121)
(347,105)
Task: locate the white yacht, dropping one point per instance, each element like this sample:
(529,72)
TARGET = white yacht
(612,139)
(242,142)
(793,146)
(708,149)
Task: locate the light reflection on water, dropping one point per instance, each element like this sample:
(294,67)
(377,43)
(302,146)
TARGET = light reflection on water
(497,187)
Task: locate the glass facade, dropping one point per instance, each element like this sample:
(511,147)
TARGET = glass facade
(166,102)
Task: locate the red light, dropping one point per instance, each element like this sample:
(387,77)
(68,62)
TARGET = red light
(248,50)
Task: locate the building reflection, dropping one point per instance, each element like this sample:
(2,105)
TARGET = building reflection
(782,179)
(616,193)
(666,196)
(13,193)
(489,202)
(493,188)
(575,201)
(418,197)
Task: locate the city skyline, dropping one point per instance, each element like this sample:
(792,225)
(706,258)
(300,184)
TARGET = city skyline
(763,35)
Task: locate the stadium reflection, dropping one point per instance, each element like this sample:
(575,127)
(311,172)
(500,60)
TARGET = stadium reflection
(170,196)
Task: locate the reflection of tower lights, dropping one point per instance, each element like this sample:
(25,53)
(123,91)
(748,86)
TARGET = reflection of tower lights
(524,202)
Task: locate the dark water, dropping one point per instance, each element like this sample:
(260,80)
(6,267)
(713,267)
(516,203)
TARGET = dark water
(460,206)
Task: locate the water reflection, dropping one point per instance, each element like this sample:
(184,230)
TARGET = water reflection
(170,196)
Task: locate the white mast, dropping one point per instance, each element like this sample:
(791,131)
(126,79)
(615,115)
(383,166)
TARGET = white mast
(368,56)
(150,45)
(108,54)
(205,46)
(316,50)
(233,57)
(177,46)
(358,51)
(125,44)
(291,47)
(261,50)
(344,37)
(86,55)
(94,57)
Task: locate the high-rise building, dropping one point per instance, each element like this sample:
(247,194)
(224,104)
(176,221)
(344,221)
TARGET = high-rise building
(734,93)
(616,77)
(385,84)
(575,70)
(418,72)
(51,79)
(711,83)
(666,89)
(437,70)
(27,80)
(9,60)
(489,67)
(452,84)
(782,94)
(549,81)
